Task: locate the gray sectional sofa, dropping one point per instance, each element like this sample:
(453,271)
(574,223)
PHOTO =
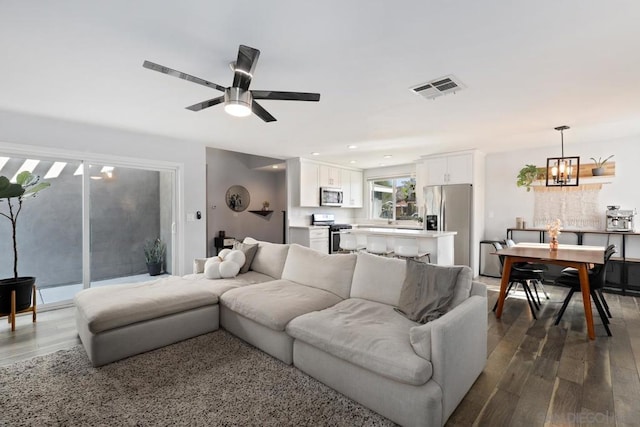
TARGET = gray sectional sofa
(332,316)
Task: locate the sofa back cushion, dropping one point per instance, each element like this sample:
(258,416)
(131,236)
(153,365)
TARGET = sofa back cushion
(332,273)
(269,258)
(462,291)
(377,278)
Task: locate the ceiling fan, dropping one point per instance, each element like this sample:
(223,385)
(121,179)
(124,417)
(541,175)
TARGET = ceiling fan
(238,99)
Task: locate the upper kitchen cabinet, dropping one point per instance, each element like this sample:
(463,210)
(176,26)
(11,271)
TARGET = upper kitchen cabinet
(352,188)
(449,169)
(330,176)
(307,176)
(309,184)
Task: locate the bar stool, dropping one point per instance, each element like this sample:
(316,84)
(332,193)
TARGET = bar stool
(377,245)
(349,242)
(408,248)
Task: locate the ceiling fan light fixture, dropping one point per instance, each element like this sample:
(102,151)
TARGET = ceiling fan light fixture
(237,102)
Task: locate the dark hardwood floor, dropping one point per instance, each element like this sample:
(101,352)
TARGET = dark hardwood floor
(537,374)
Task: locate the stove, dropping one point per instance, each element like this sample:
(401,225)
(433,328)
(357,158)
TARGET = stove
(334,229)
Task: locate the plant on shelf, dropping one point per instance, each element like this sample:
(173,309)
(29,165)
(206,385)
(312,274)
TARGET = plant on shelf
(265,205)
(526,176)
(154,252)
(599,169)
(27,185)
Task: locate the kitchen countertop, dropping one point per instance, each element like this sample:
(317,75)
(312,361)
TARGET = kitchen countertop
(396,226)
(400,232)
(309,227)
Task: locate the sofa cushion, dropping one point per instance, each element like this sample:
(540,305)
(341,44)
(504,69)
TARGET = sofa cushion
(332,273)
(269,258)
(273,304)
(368,334)
(249,250)
(378,278)
(110,307)
(427,290)
(462,291)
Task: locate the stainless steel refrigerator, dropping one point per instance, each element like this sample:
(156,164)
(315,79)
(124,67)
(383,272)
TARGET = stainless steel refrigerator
(449,208)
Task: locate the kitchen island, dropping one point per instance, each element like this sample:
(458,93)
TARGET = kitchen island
(439,244)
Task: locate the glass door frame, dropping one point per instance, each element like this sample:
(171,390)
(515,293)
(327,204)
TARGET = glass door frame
(45,153)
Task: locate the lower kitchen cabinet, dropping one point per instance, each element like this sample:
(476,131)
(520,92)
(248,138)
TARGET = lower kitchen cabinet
(314,237)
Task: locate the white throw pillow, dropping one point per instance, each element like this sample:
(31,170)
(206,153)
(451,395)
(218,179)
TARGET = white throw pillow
(226,265)
(229,269)
(212,268)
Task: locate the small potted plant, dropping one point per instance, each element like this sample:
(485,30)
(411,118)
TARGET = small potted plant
(265,205)
(599,169)
(154,251)
(27,185)
(526,176)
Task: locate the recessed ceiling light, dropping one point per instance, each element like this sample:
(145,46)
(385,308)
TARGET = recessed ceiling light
(275,166)
(352,161)
(388,156)
(352,147)
(315,153)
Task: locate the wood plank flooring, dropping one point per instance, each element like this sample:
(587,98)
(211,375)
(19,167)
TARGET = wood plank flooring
(537,374)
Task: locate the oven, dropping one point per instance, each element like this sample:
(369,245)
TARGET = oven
(334,229)
(334,236)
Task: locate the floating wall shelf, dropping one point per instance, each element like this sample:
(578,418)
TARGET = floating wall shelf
(261,213)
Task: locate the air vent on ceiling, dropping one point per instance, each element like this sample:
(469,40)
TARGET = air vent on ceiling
(438,87)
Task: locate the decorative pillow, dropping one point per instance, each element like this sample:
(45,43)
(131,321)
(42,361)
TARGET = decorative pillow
(249,252)
(427,290)
(226,265)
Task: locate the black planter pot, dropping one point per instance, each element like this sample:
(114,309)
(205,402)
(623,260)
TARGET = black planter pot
(154,268)
(24,289)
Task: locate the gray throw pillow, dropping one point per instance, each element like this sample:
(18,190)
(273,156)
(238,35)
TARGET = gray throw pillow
(427,290)
(249,250)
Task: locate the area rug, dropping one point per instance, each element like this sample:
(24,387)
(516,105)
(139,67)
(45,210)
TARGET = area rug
(211,380)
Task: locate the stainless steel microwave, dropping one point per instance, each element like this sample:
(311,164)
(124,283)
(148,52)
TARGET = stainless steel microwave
(330,196)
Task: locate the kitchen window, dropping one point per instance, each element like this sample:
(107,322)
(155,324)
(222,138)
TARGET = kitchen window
(393,199)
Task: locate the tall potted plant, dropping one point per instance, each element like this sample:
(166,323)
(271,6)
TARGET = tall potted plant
(27,185)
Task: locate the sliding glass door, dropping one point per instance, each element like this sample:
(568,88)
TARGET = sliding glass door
(129,209)
(89,228)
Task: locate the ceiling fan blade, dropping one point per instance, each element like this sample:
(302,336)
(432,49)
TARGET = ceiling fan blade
(261,112)
(285,96)
(245,64)
(179,74)
(206,104)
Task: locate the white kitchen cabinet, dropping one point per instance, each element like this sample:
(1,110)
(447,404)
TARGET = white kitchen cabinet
(352,188)
(312,237)
(330,176)
(451,169)
(309,184)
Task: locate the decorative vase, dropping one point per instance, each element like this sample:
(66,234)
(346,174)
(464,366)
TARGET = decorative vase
(553,244)
(597,171)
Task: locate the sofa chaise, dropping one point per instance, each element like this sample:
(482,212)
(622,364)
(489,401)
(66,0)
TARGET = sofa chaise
(331,316)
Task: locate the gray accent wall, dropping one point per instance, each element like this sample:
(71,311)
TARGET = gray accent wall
(227,168)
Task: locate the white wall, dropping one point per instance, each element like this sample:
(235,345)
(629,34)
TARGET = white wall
(51,135)
(504,201)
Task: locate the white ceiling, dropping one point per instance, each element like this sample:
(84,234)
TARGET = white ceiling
(528,67)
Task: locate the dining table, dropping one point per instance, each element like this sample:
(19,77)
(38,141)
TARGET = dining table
(580,257)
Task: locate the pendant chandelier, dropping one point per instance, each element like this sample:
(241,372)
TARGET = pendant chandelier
(563,171)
